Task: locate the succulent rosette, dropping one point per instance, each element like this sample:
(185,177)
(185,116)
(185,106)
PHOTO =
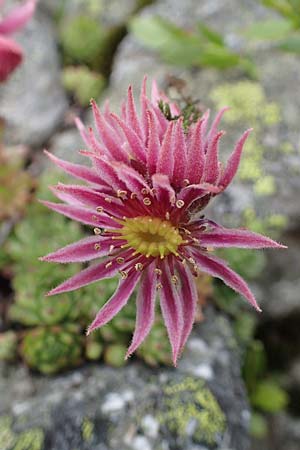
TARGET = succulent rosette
(11,54)
(150,178)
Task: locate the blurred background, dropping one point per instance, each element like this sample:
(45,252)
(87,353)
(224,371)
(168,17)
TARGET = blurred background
(237,385)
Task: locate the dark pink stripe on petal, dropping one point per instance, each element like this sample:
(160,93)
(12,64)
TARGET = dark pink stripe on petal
(195,162)
(84,250)
(145,309)
(223,237)
(77,170)
(211,168)
(81,214)
(116,302)
(171,308)
(188,296)
(180,154)
(218,268)
(153,143)
(165,163)
(94,273)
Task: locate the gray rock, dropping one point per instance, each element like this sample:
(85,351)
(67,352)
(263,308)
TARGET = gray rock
(33,102)
(134,407)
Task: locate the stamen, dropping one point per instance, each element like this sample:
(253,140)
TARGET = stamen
(158,272)
(174,279)
(121,194)
(99,209)
(180,203)
(144,191)
(147,201)
(97,231)
(139,267)
(109,264)
(120,260)
(159,286)
(124,274)
(107,199)
(97,246)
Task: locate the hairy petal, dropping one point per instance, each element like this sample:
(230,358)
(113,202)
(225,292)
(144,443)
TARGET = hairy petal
(236,237)
(171,308)
(17,18)
(116,302)
(188,295)
(94,273)
(233,161)
(10,57)
(218,268)
(145,309)
(84,250)
(81,214)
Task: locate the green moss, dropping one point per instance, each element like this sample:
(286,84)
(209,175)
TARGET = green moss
(189,401)
(249,106)
(7,437)
(32,439)
(87,430)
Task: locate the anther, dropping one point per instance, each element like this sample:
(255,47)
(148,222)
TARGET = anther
(133,195)
(147,201)
(97,231)
(144,191)
(97,246)
(121,194)
(180,203)
(124,274)
(174,279)
(109,264)
(186,182)
(159,286)
(167,215)
(139,267)
(120,260)
(111,248)
(158,272)
(107,199)
(99,209)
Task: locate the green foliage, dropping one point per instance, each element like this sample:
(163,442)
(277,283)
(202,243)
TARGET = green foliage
(283,32)
(200,48)
(83,83)
(15,187)
(258,426)
(8,346)
(82,38)
(115,355)
(52,349)
(269,397)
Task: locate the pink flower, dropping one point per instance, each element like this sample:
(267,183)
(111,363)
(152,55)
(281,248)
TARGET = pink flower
(144,194)
(10,53)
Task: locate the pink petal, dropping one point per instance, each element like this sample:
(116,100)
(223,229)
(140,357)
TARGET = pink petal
(218,268)
(17,18)
(211,168)
(77,170)
(143,105)
(136,146)
(133,181)
(165,163)
(153,143)
(195,162)
(107,172)
(223,237)
(164,192)
(94,273)
(171,308)
(108,135)
(145,309)
(131,115)
(81,214)
(180,154)
(84,250)
(215,124)
(10,57)
(233,161)
(189,298)
(116,302)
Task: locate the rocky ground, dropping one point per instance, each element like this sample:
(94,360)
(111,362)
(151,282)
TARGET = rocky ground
(201,405)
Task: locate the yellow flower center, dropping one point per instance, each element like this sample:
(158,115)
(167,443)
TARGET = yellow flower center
(151,236)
